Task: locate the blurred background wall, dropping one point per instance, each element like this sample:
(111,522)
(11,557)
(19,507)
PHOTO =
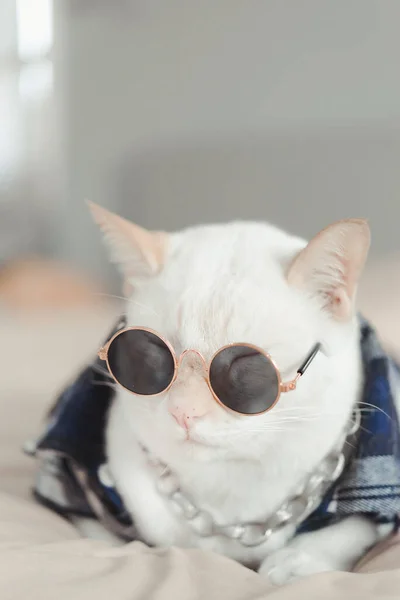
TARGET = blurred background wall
(179,112)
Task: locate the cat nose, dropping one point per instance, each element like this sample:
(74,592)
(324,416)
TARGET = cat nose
(189,398)
(189,402)
(185,416)
(181,418)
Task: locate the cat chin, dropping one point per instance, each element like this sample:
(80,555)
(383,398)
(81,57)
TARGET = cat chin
(196,443)
(202,449)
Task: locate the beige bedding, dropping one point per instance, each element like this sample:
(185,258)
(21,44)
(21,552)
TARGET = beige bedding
(41,556)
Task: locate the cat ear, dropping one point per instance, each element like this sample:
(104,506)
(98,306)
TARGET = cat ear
(330,266)
(139,253)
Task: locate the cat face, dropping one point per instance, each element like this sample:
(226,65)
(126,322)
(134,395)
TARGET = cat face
(207,287)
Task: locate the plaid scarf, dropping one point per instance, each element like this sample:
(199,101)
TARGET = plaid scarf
(72,476)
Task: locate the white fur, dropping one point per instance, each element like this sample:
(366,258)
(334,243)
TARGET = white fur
(222,284)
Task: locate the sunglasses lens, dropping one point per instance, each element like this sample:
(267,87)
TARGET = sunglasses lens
(244,379)
(141,362)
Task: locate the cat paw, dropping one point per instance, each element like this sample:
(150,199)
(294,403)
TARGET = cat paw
(288,564)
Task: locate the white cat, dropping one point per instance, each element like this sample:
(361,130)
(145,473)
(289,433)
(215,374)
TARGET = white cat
(214,285)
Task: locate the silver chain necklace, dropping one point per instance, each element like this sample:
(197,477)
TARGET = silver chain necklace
(293,511)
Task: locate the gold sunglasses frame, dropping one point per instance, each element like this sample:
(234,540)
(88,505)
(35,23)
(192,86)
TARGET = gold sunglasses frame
(283,387)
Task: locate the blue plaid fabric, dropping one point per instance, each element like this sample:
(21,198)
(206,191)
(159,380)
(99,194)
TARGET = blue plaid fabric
(71,452)
(371,483)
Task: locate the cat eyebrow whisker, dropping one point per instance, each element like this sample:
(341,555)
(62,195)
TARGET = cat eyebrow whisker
(145,307)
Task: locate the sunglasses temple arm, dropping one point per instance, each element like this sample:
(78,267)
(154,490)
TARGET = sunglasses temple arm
(301,370)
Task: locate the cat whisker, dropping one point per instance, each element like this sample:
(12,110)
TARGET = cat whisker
(108,384)
(346,442)
(105,295)
(280,425)
(373,407)
(101,371)
(236,433)
(301,419)
(365,429)
(292,409)
(129,301)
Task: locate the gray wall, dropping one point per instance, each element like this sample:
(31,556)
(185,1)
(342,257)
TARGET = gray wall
(184,111)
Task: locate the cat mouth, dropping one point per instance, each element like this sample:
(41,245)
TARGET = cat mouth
(191,438)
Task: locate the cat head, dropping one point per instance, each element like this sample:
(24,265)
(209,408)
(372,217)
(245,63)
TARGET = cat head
(210,286)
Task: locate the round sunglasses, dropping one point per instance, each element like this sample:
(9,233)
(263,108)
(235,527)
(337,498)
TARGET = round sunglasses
(242,377)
